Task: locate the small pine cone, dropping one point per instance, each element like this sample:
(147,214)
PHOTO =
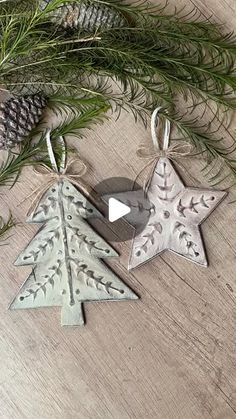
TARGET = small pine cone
(87,17)
(18,116)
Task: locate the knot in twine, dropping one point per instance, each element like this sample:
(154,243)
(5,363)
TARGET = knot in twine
(173,152)
(155,152)
(72,171)
(69,173)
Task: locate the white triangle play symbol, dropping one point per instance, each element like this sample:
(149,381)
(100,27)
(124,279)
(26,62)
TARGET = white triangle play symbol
(117,209)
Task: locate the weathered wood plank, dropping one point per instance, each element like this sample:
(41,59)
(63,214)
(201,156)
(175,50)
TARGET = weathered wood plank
(172,354)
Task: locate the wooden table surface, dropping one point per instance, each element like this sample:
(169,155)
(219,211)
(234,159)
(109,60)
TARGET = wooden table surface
(169,355)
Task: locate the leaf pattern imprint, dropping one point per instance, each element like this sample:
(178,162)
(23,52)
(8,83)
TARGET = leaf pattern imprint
(66,254)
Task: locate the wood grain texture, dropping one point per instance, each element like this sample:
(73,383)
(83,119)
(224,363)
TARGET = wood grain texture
(170,355)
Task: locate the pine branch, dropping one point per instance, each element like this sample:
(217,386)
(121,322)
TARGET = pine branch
(151,59)
(5,226)
(169,71)
(61,103)
(134,52)
(33,153)
(220,163)
(30,154)
(75,124)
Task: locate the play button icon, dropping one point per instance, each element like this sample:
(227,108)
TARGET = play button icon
(124,205)
(116,209)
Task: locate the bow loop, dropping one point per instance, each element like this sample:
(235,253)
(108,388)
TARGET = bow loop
(42,169)
(75,168)
(173,152)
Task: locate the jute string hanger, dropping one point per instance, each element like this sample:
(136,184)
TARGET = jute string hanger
(72,170)
(160,148)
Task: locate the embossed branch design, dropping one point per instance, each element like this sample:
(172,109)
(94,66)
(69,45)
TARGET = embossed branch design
(193,206)
(150,239)
(83,239)
(45,208)
(167,187)
(71,200)
(42,286)
(60,274)
(48,244)
(93,280)
(43,247)
(140,207)
(184,235)
(179,212)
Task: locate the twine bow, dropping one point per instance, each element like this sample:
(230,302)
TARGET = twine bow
(155,152)
(73,171)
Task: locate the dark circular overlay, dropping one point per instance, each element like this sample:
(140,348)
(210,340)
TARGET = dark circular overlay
(130,194)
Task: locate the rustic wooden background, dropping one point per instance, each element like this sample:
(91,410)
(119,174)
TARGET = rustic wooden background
(170,355)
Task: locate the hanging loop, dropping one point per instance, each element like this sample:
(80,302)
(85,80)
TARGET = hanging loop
(158,150)
(154,125)
(51,154)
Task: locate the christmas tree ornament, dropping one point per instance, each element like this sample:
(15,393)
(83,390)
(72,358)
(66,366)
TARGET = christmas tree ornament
(175,212)
(67,253)
(18,116)
(84,16)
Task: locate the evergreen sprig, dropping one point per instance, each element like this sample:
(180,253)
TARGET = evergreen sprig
(5,226)
(155,59)
(219,163)
(149,61)
(29,154)
(34,152)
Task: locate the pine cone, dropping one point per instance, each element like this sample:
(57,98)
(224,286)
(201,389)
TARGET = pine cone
(18,116)
(88,17)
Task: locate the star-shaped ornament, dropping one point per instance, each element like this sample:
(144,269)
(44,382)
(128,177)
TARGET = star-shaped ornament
(171,214)
(169,217)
